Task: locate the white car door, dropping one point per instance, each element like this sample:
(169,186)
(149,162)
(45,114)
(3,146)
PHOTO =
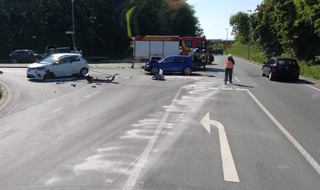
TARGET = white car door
(76,65)
(62,67)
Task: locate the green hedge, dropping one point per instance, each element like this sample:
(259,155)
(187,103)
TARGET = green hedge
(310,71)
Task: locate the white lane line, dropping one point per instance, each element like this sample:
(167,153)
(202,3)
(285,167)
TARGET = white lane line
(295,143)
(241,89)
(213,88)
(310,86)
(237,78)
(252,63)
(54,111)
(144,156)
(92,94)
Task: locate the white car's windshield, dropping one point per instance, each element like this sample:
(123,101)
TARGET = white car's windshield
(49,59)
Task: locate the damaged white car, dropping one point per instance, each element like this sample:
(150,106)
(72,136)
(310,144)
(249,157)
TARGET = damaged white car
(58,65)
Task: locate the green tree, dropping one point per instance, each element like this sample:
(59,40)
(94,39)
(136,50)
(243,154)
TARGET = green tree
(289,27)
(240,26)
(262,30)
(100,25)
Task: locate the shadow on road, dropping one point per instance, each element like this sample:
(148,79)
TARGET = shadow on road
(242,85)
(300,81)
(214,70)
(59,80)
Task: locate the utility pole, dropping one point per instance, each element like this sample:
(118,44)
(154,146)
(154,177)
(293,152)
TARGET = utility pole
(227,41)
(249,42)
(73,28)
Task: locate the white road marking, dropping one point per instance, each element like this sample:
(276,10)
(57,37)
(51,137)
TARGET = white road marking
(7,96)
(227,89)
(255,64)
(295,143)
(229,169)
(92,94)
(52,180)
(311,86)
(144,156)
(241,89)
(237,78)
(54,111)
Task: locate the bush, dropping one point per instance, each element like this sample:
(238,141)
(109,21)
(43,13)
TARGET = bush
(309,70)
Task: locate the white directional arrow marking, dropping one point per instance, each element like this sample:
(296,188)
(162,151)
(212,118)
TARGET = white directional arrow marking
(229,168)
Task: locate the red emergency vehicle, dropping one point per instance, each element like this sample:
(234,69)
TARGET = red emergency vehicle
(158,47)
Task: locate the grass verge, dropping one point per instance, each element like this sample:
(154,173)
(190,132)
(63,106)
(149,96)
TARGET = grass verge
(310,71)
(256,54)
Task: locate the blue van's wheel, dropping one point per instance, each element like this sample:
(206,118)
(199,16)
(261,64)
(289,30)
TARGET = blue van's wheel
(187,71)
(154,70)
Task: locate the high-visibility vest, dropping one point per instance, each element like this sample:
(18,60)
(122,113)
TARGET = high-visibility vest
(229,64)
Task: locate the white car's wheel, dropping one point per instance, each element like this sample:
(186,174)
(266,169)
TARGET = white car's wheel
(270,76)
(83,72)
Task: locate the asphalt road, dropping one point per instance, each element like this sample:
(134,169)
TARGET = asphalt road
(187,132)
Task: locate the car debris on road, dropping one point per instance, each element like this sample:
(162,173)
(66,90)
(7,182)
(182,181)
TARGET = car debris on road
(91,79)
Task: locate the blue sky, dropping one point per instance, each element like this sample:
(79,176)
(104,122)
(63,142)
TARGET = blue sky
(214,15)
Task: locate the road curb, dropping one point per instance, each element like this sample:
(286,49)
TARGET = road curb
(3,94)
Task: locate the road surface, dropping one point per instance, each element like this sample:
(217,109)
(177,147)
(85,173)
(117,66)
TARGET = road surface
(187,132)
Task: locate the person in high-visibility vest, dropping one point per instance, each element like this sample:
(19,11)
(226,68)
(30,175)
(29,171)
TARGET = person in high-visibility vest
(229,69)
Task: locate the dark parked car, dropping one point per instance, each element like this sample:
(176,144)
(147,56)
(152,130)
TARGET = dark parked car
(281,68)
(218,51)
(170,64)
(24,56)
(53,49)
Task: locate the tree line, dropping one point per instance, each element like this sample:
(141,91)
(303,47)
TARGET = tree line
(282,27)
(102,27)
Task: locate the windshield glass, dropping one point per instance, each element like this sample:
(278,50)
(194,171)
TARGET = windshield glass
(287,62)
(49,59)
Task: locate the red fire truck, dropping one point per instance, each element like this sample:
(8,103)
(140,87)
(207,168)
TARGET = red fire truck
(200,48)
(147,48)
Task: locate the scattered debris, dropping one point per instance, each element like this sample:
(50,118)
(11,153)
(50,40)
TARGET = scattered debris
(61,82)
(159,76)
(90,79)
(74,85)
